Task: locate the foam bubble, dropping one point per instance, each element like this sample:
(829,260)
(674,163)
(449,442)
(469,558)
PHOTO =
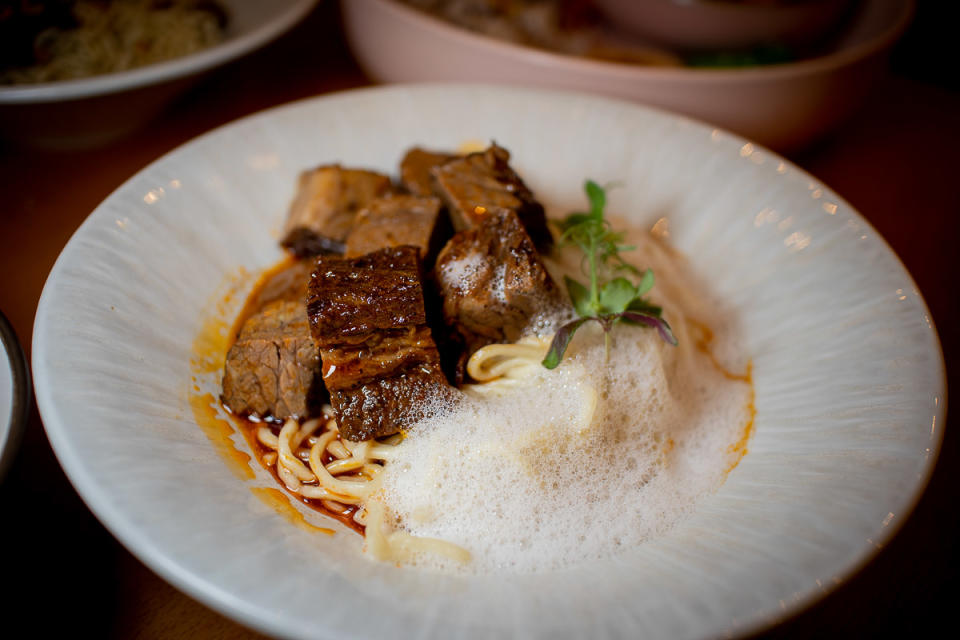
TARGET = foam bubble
(581,462)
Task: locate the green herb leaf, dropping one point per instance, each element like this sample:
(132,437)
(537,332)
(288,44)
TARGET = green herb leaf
(561,340)
(598,199)
(646,283)
(641,305)
(579,296)
(636,317)
(616,295)
(605,302)
(573,220)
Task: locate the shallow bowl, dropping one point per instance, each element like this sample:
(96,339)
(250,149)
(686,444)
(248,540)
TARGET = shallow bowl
(90,111)
(130,336)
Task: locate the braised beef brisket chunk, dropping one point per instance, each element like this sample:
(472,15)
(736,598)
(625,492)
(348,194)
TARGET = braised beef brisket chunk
(379,360)
(348,365)
(287,281)
(352,320)
(387,404)
(398,220)
(327,200)
(350,299)
(272,371)
(492,282)
(416,170)
(480,184)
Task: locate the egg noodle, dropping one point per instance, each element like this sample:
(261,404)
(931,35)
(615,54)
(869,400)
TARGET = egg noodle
(500,366)
(347,482)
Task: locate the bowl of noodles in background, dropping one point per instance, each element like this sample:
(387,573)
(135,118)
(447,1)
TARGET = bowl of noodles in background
(130,333)
(89,72)
(783,102)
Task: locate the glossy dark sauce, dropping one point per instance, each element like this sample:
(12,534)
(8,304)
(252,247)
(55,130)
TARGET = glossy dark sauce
(249,430)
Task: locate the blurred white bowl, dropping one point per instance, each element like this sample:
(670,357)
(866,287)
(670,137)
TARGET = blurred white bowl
(94,110)
(717,24)
(15,395)
(783,106)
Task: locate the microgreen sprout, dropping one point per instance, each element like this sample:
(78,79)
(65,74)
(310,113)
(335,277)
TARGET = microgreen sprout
(604,300)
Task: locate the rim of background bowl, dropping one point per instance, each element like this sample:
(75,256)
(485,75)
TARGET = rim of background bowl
(626,72)
(12,432)
(201,589)
(230,49)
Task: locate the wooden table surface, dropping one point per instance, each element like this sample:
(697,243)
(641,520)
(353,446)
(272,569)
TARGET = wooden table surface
(895,162)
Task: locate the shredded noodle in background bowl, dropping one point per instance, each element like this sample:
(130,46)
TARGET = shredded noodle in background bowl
(117,36)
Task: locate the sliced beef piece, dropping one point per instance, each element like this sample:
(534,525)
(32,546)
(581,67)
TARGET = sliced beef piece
(288,281)
(272,371)
(481,184)
(416,167)
(327,200)
(385,405)
(349,365)
(350,299)
(379,360)
(492,282)
(399,220)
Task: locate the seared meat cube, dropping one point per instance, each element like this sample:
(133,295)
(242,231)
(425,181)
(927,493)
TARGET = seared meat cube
(398,220)
(415,170)
(272,371)
(481,184)
(492,282)
(348,300)
(288,281)
(385,405)
(349,364)
(327,200)
(379,360)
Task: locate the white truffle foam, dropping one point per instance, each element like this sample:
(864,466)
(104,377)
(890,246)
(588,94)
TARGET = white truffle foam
(580,462)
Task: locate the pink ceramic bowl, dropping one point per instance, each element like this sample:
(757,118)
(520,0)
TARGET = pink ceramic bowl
(783,106)
(721,24)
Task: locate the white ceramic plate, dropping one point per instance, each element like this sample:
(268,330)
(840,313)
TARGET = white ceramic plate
(849,377)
